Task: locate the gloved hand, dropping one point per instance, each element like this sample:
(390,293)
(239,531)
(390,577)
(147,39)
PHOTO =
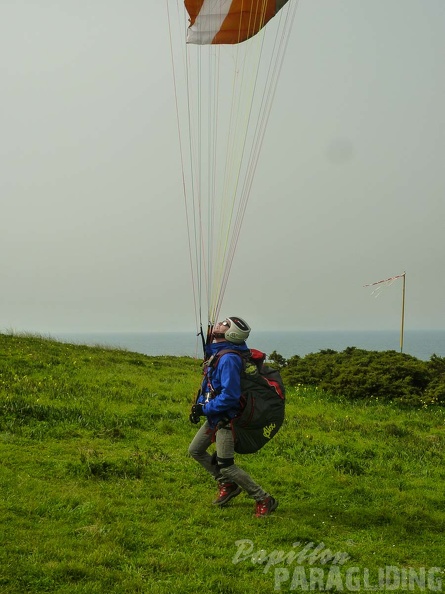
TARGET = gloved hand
(195,413)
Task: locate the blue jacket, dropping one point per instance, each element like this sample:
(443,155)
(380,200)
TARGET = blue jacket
(226,383)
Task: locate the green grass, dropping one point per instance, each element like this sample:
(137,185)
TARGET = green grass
(98,494)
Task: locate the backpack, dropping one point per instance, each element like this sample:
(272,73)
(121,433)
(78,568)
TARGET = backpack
(262,402)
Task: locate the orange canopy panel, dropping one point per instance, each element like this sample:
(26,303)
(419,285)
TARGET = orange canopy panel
(228,21)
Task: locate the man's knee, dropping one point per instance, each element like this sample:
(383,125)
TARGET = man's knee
(225,462)
(227,468)
(195,452)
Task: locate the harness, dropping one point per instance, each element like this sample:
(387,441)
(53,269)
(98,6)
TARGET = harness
(212,363)
(262,400)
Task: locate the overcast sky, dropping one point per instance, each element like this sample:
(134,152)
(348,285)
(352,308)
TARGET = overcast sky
(350,187)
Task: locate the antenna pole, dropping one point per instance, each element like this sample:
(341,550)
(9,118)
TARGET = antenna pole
(403,312)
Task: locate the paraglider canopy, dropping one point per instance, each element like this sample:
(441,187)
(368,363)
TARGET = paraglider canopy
(225,77)
(228,21)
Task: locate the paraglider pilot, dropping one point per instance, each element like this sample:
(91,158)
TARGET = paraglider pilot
(218,402)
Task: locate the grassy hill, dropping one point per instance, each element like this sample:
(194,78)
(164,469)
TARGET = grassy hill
(98,494)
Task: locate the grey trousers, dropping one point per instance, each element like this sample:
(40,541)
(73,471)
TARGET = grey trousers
(225,449)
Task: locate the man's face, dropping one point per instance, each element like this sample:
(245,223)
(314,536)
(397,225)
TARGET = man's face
(221,327)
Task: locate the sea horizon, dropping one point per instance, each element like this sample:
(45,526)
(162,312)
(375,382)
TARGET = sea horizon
(421,344)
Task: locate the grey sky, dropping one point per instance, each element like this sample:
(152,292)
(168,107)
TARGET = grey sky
(349,189)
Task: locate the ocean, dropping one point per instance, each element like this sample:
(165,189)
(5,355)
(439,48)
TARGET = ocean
(419,343)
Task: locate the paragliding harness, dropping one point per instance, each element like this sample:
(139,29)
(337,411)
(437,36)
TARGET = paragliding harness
(262,401)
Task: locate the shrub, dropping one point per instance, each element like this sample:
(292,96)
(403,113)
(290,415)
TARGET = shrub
(382,375)
(435,392)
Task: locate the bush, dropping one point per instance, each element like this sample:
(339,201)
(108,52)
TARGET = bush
(382,375)
(435,392)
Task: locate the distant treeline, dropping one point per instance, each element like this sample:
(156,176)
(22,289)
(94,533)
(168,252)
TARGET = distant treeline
(357,373)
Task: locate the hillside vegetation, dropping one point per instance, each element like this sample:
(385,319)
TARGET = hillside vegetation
(98,494)
(381,375)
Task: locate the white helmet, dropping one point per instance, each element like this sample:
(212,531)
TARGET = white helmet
(237,330)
